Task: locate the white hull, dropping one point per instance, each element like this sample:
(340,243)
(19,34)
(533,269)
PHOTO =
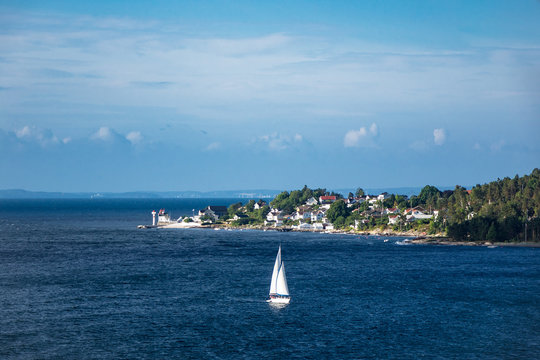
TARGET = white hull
(280,300)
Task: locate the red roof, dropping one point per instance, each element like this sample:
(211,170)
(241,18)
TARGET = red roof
(328,198)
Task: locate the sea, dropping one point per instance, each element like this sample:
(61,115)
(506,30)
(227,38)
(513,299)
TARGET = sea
(78,280)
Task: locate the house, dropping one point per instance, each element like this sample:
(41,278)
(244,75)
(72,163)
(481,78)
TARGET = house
(311,201)
(214,212)
(317,215)
(304,208)
(259,204)
(383,196)
(163,217)
(417,209)
(302,215)
(317,226)
(393,219)
(274,215)
(327,199)
(208,214)
(275,223)
(417,213)
(303,226)
(391,211)
(239,216)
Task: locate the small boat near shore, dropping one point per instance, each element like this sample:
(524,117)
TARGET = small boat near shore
(279,291)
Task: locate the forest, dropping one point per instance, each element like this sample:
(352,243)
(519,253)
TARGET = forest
(503,210)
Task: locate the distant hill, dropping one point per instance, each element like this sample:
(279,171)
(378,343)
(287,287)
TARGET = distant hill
(240,194)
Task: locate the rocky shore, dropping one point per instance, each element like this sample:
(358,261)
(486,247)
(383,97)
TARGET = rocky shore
(447,241)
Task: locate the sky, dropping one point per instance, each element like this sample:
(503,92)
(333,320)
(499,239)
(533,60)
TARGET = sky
(228,95)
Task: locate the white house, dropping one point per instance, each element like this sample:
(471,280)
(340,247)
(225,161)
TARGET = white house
(273,223)
(259,204)
(274,215)
(163,217)
(311,201)
(417,213)
(393,219)
(317,215)
(317,226)
(302,215)
(303,226)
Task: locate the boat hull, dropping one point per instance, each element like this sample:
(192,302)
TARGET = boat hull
(279,300)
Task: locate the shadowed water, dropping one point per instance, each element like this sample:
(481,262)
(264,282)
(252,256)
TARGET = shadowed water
(78,280)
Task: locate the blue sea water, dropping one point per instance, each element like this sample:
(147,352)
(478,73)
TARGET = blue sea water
(79,281)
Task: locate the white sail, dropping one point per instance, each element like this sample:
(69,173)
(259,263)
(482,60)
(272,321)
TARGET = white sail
(277,264)
(282,288)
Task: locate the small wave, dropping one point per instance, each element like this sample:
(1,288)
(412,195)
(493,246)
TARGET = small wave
(403,242)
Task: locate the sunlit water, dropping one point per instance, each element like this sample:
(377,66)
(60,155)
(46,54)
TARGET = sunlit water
(78,280)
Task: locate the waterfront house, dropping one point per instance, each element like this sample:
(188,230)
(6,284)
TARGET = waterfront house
(213,212)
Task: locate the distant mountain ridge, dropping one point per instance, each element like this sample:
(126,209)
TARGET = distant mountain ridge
(240,194)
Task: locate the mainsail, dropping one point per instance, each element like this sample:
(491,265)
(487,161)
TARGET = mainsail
(274,281)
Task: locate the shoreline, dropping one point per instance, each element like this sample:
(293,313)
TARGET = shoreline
(419,238)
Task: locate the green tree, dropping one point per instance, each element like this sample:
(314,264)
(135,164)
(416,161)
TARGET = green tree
(359,192)
(337,209)
(492,233)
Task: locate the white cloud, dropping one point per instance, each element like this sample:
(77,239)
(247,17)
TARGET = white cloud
(134,137)
(66,140)
(213,146)
(439,136)
(24,132)
(361,137)
(373,129)
(43,137)
(477,146)
(103,134)
(278,142)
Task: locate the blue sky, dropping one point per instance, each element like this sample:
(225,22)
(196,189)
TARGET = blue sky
(215,95)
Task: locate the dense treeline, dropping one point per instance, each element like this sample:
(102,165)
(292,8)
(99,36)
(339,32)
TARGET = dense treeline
(502,210)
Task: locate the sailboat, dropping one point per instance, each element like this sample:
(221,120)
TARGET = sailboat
(279,291)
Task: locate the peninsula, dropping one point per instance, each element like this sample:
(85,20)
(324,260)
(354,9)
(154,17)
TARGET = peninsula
(503,211)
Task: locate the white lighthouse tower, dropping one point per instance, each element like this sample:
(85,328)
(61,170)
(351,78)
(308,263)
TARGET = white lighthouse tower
(153,217)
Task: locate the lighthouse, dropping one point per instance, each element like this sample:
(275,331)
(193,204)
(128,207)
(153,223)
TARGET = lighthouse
(153,217)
